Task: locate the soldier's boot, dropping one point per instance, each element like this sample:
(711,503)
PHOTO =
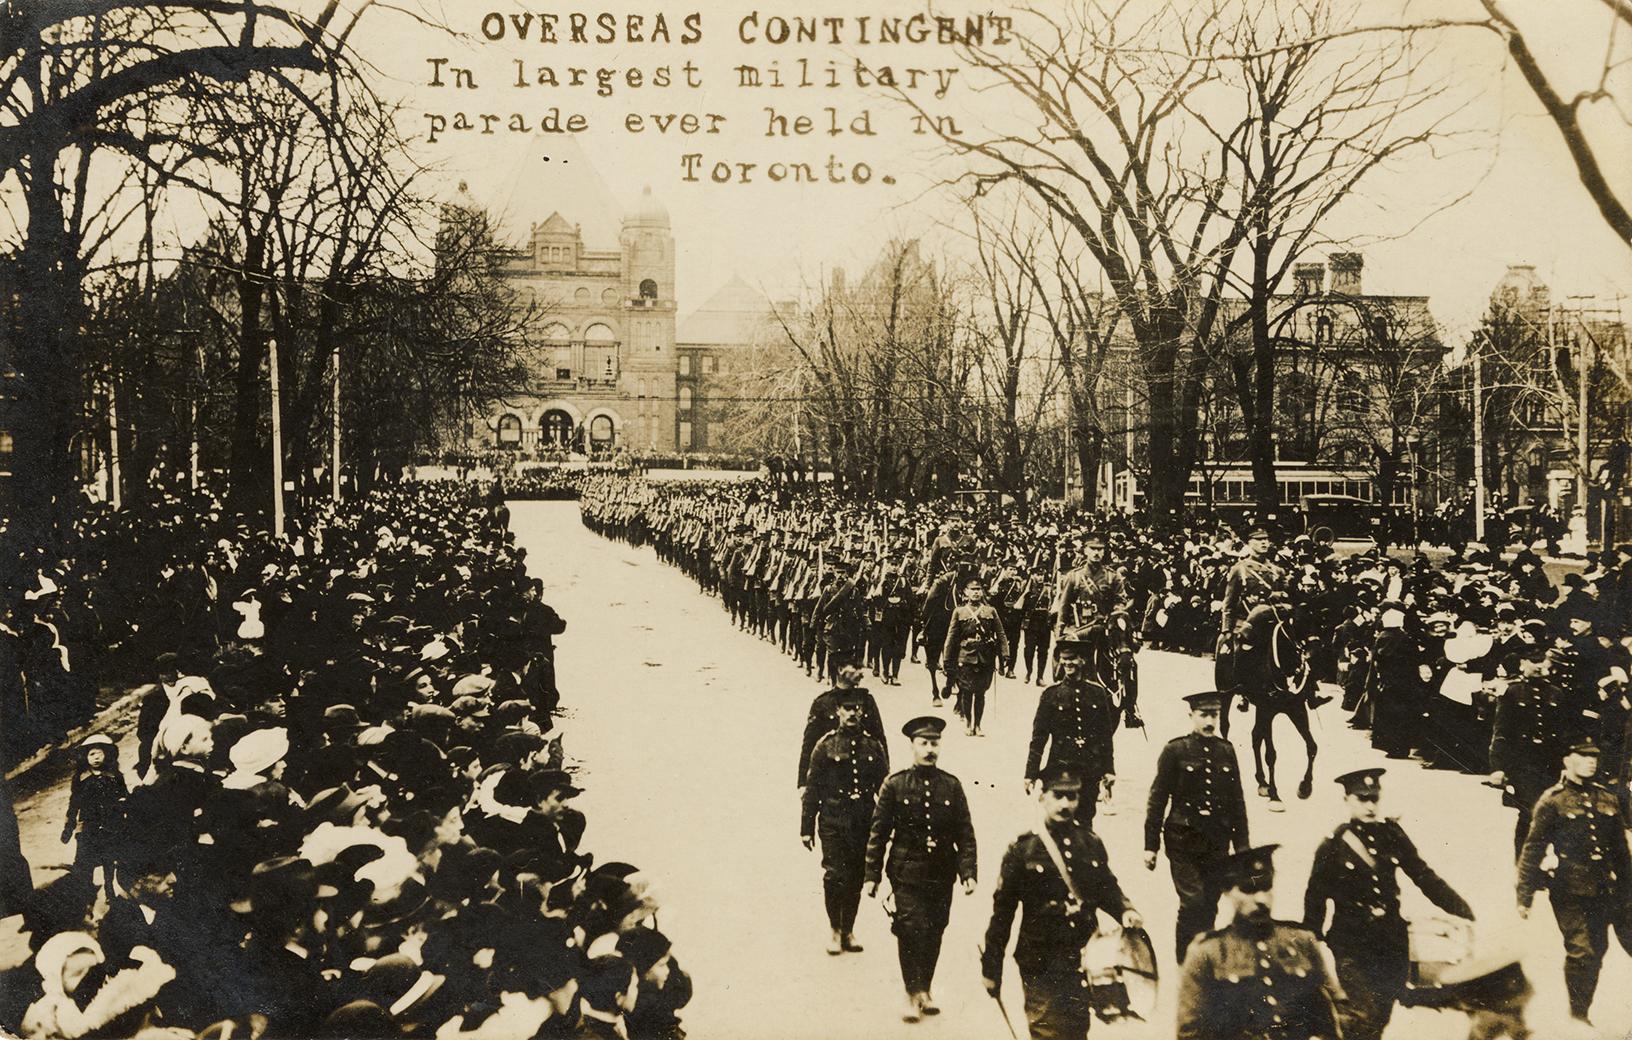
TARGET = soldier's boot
(849,944)
(835,945)
(912,1013)
(926,1004)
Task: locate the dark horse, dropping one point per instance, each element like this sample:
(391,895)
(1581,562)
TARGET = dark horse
(934,618)
(1274,675)
(1107,659)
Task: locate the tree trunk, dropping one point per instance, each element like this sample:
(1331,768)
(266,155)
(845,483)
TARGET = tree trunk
(245,495)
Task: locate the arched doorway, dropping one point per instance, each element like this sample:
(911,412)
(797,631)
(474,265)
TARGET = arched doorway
(601,433)
(557,426)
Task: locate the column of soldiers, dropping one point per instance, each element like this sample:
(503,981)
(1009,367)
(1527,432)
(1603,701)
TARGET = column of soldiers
(1542,681)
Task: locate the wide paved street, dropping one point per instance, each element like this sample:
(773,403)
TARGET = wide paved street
(688,729)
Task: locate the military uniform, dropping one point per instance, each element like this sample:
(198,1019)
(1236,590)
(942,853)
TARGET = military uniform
(1036,625)
(975,642)
(1581,821)
(846,769)
(1089,595)
(1075,721)
(1197,804)
(1526,744)
(1054,926)
(922,817)
(1253,981)
(1367,935)
(824,719)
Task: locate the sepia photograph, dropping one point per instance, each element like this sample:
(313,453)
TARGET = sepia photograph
(841,520)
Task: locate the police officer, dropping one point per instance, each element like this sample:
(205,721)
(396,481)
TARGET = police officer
(1356,870)
(824,716)
(922,817)
(846,768)
(1580,819)
(1062,877)
(1075,721)
(975,642)
(1247,584)
(1197,804)
(1256,978)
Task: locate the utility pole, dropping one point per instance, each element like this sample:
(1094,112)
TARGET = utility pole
(192,415)
(277,440)
(1478,441)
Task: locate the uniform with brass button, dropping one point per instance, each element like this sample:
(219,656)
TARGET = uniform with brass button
(1074,724)
(1197,805)
(847,766)
(1257,978)
(1580,820)
(1356,872)
(1057,918)
(922,821)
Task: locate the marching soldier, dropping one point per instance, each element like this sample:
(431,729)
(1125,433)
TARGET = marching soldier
(1357,871)
(1197,804)
(975,642)
(1249,583)
(846,768)
(1256,978)
(1062,877)
(841,611)
(1075,721)
(824,717)
(1531,719)
(1036,623)
(1580,820)
(923,818)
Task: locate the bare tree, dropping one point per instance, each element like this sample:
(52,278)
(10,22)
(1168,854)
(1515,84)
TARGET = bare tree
(1015,377)
(1311,115)
(78,82)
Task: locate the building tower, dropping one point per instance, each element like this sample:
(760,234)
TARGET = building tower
(647,247)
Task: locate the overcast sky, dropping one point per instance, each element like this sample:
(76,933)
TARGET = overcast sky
(1523,202)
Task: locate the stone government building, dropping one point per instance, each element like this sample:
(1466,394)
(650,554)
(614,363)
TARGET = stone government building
(616,369)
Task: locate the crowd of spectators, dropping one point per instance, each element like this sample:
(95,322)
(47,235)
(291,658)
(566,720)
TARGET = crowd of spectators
(344,810)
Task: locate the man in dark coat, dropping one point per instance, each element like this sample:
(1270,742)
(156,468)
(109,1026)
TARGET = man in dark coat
(1197,805)
(1075,722)
(975,643)
(846,768)
(1061,876)
(1580,820)
(824,717)
(922,819)
(1356,871)
(1256,977)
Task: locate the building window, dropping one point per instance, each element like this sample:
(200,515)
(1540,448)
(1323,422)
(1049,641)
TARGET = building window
(648,289)
(509,431)
(609,296)
(685,434)
(5,442)
(685,364)
(582,295)
(641,392)
(708,363)
(685,399)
